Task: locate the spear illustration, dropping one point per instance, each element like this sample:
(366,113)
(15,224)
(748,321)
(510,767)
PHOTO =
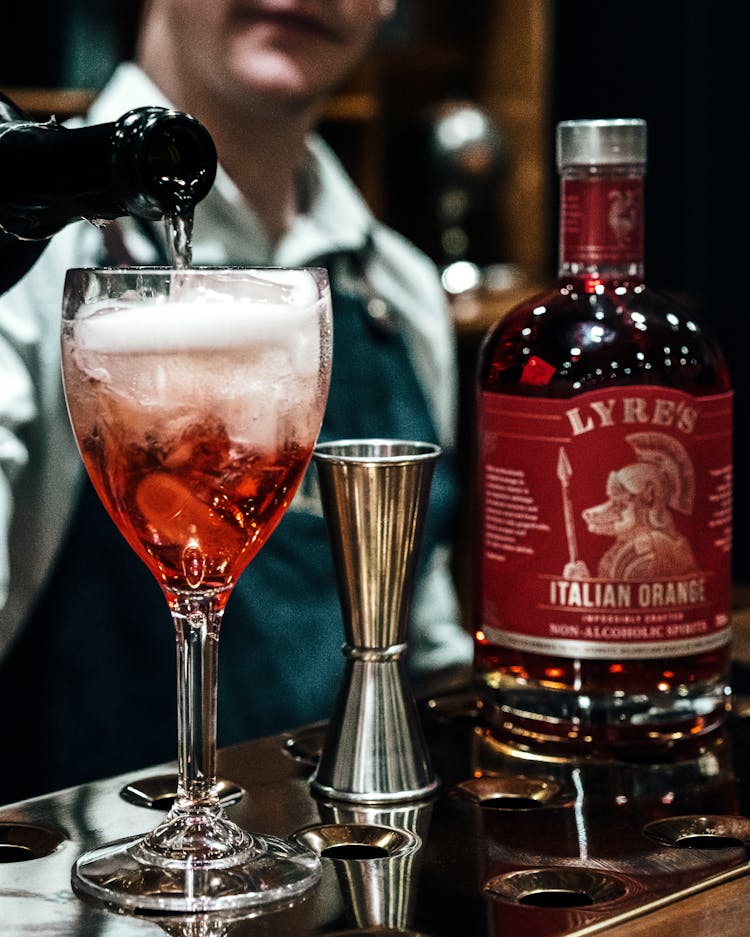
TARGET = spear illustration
(574,568)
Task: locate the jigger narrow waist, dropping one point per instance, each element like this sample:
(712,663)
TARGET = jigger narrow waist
(373,653)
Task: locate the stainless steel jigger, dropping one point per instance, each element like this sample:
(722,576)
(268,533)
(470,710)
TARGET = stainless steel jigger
(374,494)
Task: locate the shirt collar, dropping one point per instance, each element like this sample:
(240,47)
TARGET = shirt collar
(227,230)
(336,218)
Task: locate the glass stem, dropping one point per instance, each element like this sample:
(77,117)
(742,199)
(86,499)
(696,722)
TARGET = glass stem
(197,622)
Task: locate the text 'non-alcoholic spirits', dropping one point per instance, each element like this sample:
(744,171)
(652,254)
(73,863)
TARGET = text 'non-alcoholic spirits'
(605,485)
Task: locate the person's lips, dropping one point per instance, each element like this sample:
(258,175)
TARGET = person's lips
(289,21)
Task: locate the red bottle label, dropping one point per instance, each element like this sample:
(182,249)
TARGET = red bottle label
(601,222)
(606,522)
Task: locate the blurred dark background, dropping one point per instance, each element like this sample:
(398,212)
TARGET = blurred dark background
(525,64)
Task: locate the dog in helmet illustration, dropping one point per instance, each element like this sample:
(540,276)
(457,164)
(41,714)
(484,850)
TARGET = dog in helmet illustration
(639,513)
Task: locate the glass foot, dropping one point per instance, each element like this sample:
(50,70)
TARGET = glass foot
(130,875)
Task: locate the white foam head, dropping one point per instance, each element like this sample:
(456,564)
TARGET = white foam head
(249,351)
(280,309)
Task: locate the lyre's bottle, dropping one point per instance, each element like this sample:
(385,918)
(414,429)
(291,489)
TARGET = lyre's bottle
(152,163)
(604,455)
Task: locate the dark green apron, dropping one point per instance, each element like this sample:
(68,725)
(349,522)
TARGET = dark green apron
(89,689)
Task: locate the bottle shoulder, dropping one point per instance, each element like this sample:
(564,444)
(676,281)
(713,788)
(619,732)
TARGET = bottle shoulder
(582,335)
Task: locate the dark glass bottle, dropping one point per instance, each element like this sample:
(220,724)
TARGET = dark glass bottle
(151,163)
(604,456)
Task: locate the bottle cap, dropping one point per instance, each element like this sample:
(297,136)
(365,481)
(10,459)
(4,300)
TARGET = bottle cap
(616,142)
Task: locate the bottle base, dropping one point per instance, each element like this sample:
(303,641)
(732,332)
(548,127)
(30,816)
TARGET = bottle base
(538,722)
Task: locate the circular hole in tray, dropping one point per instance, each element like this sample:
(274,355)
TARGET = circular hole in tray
(511,802)
(700,832)
(707,841)
(20,842)
(158,792)
(357,841)
(12,853)
(510,792)
(305,746)
(556,898)
(456,707)
(560,887)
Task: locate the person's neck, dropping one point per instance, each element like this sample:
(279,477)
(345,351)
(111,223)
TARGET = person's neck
(263,158)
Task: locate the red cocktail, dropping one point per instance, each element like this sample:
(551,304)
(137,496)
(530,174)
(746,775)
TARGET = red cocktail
(196,397)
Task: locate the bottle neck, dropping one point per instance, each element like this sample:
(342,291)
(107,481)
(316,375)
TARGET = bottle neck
(151,163)
(601,222)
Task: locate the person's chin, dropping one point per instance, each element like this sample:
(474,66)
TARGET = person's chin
(280,79)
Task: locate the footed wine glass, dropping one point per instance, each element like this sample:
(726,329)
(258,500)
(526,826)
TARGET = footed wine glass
(196,397)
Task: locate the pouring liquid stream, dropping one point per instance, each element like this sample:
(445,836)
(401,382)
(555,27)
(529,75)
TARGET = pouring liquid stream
(179,231)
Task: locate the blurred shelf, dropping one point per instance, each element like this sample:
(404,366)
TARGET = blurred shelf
(66,102)
(357,106)
(61,103)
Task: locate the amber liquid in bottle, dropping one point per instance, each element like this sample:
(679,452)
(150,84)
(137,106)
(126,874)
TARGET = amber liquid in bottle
(599,329)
